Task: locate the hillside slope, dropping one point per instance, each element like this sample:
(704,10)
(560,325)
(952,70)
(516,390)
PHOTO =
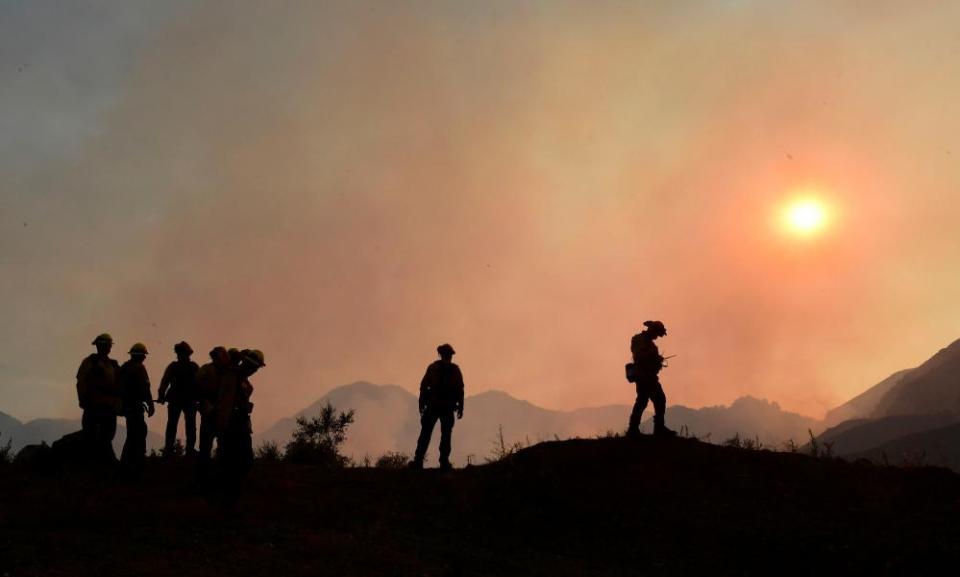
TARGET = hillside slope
(608,507)
(864,404)
(933,387)
(939,447)
(858,435)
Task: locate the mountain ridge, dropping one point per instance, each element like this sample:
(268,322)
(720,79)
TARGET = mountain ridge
(387,420)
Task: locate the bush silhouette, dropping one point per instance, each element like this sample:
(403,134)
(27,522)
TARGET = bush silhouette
(391,460)
(6,452)
(318,440)
(268,451)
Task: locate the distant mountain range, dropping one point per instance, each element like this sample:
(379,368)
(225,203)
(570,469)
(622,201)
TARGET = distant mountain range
(387,420)
(914,411)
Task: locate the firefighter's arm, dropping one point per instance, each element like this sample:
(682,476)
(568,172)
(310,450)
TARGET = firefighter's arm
(164,384)
(460,387)
(424,389)
(225,402)
(145,388)
(83,385)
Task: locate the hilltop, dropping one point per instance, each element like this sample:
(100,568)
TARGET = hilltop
(603,507)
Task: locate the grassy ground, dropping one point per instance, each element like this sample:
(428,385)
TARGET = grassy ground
(580,508)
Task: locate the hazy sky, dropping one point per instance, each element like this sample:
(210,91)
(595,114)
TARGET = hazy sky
(346,185)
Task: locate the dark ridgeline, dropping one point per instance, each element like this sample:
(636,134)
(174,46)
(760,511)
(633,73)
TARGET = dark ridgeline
(441,398)
(605,507)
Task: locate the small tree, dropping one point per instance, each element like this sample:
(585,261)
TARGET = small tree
(318,440)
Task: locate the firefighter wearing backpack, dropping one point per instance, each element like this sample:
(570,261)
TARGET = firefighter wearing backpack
(99,395)
(441,396)
(647,363)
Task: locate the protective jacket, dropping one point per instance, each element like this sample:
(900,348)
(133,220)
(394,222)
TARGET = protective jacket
(233,400)
(135,387)
(208,387)
(646,356)
(179,383)
(442,386)
(97,386)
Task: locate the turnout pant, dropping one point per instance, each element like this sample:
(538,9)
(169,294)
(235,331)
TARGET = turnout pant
(99,426)
(427,422)
(135,447)
(189,423)
(648,389)
(208,432)
(235,453)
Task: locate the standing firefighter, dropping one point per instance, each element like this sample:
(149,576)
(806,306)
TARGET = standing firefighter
(208,389)
(99,397)
(178,388)
(234,431)
(135,387)
(441,395)
(647,363)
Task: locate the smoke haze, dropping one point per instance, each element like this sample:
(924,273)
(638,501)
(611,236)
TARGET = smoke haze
(346,185)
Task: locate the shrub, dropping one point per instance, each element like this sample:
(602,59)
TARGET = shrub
(392,460)
(6,452)
(746,443)
(501,450)
(818,449)
(268,451)
(318,440)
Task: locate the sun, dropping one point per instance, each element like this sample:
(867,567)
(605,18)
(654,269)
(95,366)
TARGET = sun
(806,216)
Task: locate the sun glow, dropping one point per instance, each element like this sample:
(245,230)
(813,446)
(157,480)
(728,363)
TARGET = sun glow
(806,216)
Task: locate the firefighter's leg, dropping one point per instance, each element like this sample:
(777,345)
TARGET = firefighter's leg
(446,432)
(427,422)
(633,428)
(190,425)
(173,421)
(660,408)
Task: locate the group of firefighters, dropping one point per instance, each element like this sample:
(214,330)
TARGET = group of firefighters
(220,392)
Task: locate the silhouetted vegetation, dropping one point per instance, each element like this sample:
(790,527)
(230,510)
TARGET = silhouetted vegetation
(502,450)
(6,451)
(746,443)
(318,440)
(392,460)
(819,449)
(268,451)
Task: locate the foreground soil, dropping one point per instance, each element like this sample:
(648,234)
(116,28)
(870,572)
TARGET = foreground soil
(582,507)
